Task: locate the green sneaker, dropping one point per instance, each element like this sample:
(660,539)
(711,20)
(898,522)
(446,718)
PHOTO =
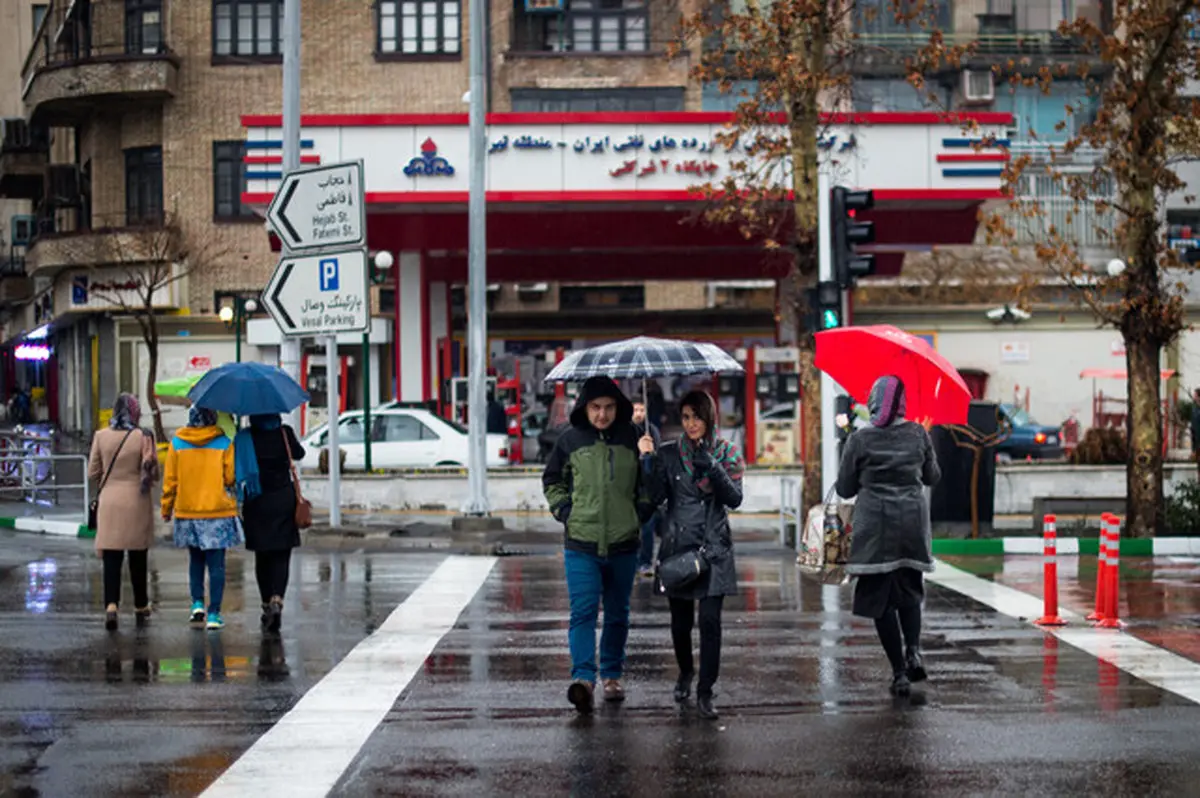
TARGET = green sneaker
(215,621)
(197,614)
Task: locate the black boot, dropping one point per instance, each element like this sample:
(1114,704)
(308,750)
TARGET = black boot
(276,615)
(901,687)
(915,666)
(264,620)
(704,707)
(683,688)
(110,617)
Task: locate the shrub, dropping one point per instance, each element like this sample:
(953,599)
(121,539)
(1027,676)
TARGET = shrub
(1101,447)
(1183,509)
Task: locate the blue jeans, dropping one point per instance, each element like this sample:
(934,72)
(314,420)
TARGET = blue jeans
(590,580)
(646,554)
(214,561)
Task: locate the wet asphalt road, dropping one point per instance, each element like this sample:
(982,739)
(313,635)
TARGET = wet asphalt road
(164,711)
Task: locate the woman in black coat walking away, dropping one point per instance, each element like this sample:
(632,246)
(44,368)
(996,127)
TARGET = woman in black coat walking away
(888,465)
(700,478)
(263,454)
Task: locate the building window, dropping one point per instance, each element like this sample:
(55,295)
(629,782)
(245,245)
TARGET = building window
(875,20)
(602,297)
(419,27)
(143,186)
(229,181)
(584,26)
(635,100)
(39,13)
(143,27)
(247,29)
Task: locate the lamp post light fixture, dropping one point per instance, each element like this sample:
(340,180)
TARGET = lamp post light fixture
(235,309)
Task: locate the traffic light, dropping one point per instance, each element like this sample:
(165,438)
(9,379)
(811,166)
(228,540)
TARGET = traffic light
(848,264)
(824,306)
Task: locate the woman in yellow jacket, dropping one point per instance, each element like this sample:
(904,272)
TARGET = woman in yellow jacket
(202,503)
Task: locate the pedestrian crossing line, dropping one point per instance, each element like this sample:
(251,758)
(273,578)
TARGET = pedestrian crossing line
(1142,660)
(309,749)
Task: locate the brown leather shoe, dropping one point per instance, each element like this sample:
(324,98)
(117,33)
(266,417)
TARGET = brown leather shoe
(580,694)
(613,691)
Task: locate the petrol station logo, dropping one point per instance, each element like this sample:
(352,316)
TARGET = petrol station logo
(428,163)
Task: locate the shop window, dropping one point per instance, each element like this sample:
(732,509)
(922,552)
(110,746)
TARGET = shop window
(247,29)
(229,181)
(602,297)
(548,101)
(418,28)
(143,186)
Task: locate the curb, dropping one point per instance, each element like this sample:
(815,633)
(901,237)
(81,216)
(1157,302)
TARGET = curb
(1132,547)
(46,526)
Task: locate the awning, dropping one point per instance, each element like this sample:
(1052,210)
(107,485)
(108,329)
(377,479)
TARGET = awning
(1116,374)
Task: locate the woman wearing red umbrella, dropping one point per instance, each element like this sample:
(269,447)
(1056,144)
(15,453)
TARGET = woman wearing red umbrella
(888,465)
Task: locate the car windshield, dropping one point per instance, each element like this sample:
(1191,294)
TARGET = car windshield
(1019,417)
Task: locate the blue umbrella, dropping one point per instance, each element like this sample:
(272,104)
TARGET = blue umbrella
(248,389)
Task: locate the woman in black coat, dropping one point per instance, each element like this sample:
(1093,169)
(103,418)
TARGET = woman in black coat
(888,465)
(700,478)
(264,453)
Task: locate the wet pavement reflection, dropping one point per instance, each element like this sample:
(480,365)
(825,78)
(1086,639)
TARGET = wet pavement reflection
(803,691)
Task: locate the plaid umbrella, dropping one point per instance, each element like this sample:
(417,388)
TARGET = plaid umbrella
(642,357)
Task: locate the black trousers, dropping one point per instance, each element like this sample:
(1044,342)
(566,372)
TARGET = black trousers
(683,613)
(272,569)
(113,558)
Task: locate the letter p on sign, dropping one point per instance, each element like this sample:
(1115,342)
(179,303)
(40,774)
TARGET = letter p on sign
(329,274)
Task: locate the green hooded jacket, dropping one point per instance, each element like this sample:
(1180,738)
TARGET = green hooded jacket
(593,481)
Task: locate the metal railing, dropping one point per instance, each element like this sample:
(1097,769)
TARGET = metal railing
(1034,42)
(31,473)
(790,512)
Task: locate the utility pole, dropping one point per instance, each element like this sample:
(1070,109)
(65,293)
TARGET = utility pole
(289,348)
(477,499)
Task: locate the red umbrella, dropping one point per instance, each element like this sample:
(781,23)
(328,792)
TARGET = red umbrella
(857,356)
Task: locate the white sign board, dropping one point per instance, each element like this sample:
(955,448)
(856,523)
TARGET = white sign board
(324,294)
(1014,352)
(320,208)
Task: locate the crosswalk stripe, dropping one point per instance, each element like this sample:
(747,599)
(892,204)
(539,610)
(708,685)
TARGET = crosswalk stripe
(309,749)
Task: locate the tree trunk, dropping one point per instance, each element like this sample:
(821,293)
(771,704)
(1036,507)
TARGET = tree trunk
(150,337)
(1143,473)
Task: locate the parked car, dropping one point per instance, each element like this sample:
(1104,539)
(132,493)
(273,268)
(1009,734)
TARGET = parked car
(407,438)
(1029,439)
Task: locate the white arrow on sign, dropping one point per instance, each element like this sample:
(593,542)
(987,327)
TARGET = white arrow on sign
(321,207)
(317,295)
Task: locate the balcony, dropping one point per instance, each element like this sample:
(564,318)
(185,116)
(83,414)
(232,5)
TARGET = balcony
(1077,222)
(24,153)
(86,60)
(15,285)
(67,239)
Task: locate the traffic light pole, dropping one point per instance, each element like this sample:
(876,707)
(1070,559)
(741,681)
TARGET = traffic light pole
(829,458)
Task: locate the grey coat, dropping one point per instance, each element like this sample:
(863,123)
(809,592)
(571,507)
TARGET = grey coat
(887,468)
(694,517)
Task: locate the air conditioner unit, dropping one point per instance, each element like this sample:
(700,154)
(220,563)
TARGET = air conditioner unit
(22,230)
(978,86)
(62,183)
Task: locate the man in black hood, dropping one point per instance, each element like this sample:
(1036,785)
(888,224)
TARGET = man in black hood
(593,485)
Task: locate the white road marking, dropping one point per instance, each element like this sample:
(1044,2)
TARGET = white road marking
(307,751)
(1138,658)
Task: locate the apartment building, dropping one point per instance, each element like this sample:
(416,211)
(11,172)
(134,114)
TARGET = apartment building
(134,164)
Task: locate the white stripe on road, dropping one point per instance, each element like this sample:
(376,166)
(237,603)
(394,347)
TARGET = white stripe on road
(307,751)
(1138,658)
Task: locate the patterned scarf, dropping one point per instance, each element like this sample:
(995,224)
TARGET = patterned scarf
(201,417)
(127,412)
(886,401)
(723,453)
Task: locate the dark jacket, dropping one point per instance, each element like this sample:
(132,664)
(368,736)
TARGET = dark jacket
(654,434)
(269,519)
(695,518)
(887,468)
(497,421)
(592,480)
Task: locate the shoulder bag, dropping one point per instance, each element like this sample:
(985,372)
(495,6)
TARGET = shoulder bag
(683,568)
(94,504)
(303,506)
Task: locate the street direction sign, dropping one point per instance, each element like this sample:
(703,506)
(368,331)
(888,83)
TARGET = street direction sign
(326,294)
(320,208)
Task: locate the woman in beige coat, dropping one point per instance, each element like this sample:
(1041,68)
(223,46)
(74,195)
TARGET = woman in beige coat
(124,465)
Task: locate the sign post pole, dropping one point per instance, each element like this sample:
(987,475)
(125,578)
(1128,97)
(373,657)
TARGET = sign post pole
(289,348)
(333,374)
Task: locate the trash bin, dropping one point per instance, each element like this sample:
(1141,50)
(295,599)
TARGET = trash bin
(950,502)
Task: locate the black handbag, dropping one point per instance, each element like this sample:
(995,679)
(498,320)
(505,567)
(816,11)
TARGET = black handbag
(94,504)
(683,568)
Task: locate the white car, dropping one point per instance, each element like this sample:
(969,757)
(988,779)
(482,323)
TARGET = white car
(408,438)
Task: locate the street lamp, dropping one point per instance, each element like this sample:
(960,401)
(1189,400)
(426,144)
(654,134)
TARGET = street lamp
(381,264)
(235,310)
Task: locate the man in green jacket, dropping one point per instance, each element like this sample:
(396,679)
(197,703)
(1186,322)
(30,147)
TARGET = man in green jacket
(593,486)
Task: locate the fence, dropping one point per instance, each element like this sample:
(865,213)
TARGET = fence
(790,512)
(31,473)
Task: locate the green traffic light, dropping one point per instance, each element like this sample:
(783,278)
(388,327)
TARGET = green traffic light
(829,319)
